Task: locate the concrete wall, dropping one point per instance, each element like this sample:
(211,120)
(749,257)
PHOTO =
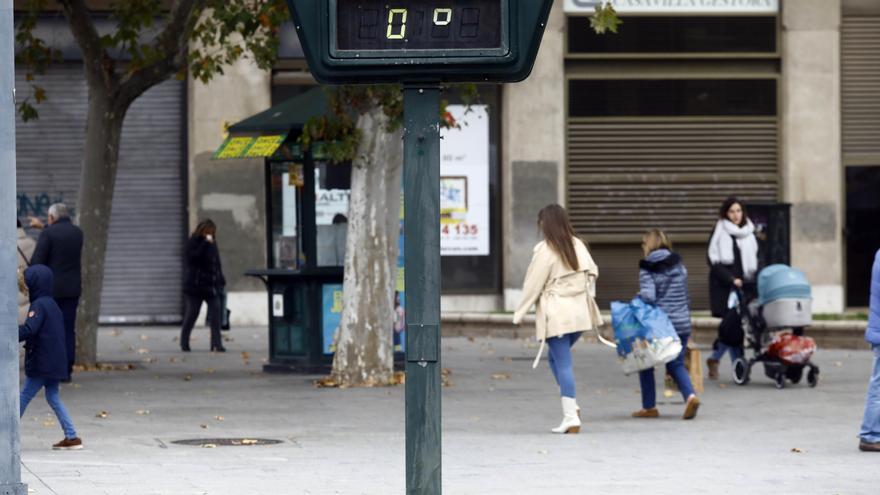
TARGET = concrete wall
(812,165)
(533,153)
(230,192)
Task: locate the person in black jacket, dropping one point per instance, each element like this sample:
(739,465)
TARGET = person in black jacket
(60,248)
(203,283)
(45,359)
(733,257)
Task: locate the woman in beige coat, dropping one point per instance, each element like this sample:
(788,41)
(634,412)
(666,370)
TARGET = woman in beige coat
(26,247)
(559,283)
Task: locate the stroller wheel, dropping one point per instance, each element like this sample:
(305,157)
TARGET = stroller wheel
(741,371)
(780,380)
(813,376)
(795,373)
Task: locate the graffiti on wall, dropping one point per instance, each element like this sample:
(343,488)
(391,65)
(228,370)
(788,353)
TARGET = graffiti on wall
(37,205)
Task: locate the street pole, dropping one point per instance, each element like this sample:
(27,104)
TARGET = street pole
(10,443)
(421,179)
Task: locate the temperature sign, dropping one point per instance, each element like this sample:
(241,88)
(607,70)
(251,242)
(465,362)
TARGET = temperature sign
(427,27)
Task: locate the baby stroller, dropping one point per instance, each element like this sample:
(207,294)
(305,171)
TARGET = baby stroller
(784,302)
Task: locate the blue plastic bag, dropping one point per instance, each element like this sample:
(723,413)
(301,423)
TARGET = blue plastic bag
(645,336)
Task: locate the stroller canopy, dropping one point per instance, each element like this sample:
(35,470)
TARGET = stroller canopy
(782,282)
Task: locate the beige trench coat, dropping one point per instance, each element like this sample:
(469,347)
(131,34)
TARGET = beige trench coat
(27,246)
(564,298)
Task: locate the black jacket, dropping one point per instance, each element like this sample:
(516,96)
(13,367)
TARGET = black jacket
(204,273)
(43,331)
(60,248)
(721,279)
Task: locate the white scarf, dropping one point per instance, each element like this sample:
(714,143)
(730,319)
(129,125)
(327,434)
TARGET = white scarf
(721,246)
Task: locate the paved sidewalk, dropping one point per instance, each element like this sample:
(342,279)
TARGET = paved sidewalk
(496,438)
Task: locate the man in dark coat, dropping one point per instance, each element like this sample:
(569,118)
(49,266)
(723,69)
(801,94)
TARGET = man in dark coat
(60,248)
(45,358)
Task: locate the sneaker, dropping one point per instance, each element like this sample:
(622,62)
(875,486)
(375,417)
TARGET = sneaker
(866,446)
(690,409)
(712,364)
(68,444)
(646,413)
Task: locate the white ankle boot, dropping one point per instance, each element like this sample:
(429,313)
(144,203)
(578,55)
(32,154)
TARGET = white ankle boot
(570,421)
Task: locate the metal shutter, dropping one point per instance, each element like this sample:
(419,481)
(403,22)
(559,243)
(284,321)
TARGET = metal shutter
(860,88)
(627,175)
(142,281)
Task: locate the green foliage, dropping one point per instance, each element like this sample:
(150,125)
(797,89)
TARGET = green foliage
(605,19)
(337,132)
(33,54)
(220,32)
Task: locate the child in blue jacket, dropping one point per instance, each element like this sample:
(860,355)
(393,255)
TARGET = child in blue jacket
(663,283)
(45,361)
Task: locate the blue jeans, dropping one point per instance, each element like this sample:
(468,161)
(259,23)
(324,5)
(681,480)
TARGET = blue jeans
(679,374)
(53,397)
(560,362)
(871,424)
(721,349)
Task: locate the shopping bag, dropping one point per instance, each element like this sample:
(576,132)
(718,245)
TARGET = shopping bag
(644,334)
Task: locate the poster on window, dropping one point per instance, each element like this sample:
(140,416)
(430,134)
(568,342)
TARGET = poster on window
(464,183)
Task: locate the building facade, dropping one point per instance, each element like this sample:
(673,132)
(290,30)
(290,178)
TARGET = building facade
(692,101)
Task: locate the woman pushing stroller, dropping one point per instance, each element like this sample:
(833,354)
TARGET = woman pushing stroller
(733,257)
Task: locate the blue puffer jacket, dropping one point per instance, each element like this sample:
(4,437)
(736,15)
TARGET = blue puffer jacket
(43,331)
(872,335)
(663,281)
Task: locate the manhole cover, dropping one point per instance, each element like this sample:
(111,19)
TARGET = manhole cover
(226,442)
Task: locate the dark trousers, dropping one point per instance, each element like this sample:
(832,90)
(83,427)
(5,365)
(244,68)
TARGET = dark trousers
(68,311)
(193,305)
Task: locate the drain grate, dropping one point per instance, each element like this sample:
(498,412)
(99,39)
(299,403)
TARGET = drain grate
(209,443)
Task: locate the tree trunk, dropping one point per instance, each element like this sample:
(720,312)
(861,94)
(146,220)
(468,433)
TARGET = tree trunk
(97,181)
(364,347)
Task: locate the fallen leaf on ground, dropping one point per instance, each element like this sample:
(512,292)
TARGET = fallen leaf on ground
(210,371)
(797,450)
(471,339)
(115,332)
(326,382)
(838,364)
(174,360)
(102,415)
(204,427)
(142,412)
(245,355)
(145,337)
(209,445)
(508,359)
(501,376)
(149,360)
(143,350)
(49,423)
(188,378)
(249,441)
(722,385)
(542,451)
(219,418)
(668,393)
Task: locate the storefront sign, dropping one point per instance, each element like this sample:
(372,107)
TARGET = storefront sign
(717,7)
(464,183)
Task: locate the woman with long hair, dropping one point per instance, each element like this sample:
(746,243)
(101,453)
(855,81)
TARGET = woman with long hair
(663,281)
(558,283)
(733,257)
(204,283)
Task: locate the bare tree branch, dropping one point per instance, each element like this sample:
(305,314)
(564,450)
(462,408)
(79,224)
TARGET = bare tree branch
(99,66)
(173,41)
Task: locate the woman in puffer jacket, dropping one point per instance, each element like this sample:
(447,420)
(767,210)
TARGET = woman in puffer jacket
(558,282)
(663,283)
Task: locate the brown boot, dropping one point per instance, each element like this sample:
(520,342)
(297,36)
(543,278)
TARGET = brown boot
(713,368)
(646,413)
(68,444)
(690,408)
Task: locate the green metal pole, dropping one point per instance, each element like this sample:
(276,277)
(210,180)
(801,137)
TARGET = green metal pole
(10,445)
(421,179)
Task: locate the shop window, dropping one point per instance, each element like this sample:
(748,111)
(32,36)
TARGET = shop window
(332,195)
(662,97)
(286,183)
(748,34)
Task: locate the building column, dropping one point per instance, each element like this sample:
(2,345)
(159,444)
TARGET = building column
(230,192)
(812,167)
(533,153)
